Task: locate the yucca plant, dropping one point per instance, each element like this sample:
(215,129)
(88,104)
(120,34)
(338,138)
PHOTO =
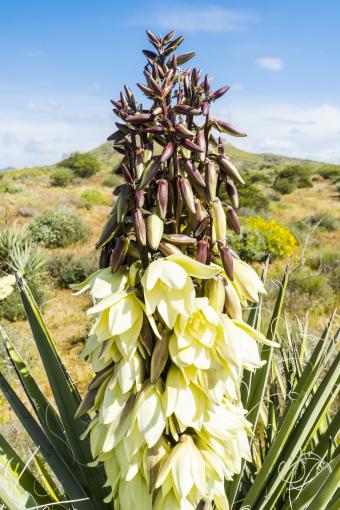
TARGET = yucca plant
(183,412)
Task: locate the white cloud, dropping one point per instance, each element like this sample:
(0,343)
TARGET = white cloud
(271,63)
(46,106)
(272,127)
(197,19)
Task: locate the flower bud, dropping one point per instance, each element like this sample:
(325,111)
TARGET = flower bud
(232,194)
(219,92)
(227,260)
(191,146)
(220,146)
(146,336)
(167,152)
(225,127)
(183,132)
(119,253)
(139,118)
(159,358)
(108,232)
(153,459)
(220,221)
(139,197)
(186,193)
(169,249)
(200,141)
(154,230)
(158,130)
(202,226)
(133,250)
(162,197)
(139,226)
(202,251)
(104,258)
(233,220)
(180,239)
(211,178)
(123,202)
(227,166)
(205,108)
(185,109)
(150,172)
(147,90)
(194,173)
(184,57)
(232,301)
(216,293)
(139,164)
(126,173)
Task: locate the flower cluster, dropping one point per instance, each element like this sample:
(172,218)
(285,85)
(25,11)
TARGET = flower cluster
(168,344)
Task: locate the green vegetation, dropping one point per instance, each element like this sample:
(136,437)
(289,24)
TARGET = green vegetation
(57,228)
(292,177)
(261,238)
(91,197)
(83,164)
(62,177)
(8,187)
(251,197)
(68,268)
(324,220)
(110,181)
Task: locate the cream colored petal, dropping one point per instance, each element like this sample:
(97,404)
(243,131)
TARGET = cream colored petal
(194,268)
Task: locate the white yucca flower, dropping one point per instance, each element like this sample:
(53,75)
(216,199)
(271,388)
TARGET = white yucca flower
(7,284)
(173,443)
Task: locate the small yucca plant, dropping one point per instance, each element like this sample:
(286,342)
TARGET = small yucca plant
(176,366)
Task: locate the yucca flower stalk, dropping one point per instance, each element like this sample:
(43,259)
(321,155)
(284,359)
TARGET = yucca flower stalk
(168,343)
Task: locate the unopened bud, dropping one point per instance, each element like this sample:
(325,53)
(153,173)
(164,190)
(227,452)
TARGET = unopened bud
(119,253)
(202,251)
(219,92)
(104,258)
(123,202)
(227,166)
(154,230)
(108,232)
(167,152)
(202,226)
(180,239)
(200,141)
(146,336)
(232,301)
(216,293)
(211,178)
(232,194)
(153,459)
(150,172)
(169,249)
(183,132)
(162,197)
(220,221)
(159,358)
(233,220)
(227,260)
(194,173)
(126,173)
(191,146)
(139,226)
(205,108)
(225,127)
(139,197)
(187,193)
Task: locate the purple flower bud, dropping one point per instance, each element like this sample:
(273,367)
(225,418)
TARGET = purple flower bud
(232,194)
(119,253)
(211,178)
(162,197)
(168,249)
(150,54)
(202,226)
(225,127)
(194,173)
(202,251)
(191,146)
(182,59)
(180,239)
(108,231)
(227,260)
(200,141)
(104,258)
(167,152)
(205,107)
(146,336)
(227,167)
(185,109)
(233,220)
(126,173)
(186,193)
(139,226)
(155,129)
(117,104)
(149,173)
(147,90)
(139,118)
(183,132)
(220,92)
(152,38)
(139,197)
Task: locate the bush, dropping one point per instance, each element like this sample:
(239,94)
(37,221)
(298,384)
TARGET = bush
(58,228)
(11,308)
(251,197)
(91,197)
(110,181)
(62,177)
(305,281)
(331,172)
(260,238)
(8,187)
(292,177)
(82,164)
(67,268)
(324,220)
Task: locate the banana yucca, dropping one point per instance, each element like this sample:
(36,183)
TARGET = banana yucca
(179,414)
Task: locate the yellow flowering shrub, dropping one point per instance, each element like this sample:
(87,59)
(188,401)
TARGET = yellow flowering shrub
(260,238)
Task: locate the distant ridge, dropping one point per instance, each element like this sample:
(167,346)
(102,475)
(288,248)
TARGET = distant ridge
(7,168)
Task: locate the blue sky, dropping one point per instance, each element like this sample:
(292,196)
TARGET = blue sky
(61,62)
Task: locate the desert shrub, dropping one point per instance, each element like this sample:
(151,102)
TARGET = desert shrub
(62,177)
(259,176)
(292,177)
(307,281)
(9,187)
(67,268)
(83,164)
(331,172)
(92,196)
(19,254)
(324,220)
(58,228)
(110,181)
(251,197)
(260,238)
(326,261)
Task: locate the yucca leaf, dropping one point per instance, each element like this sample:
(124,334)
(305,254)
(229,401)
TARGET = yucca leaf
(307,495)
(66,397)
(48,418)
(329,488)
(286,444)
(47,479)
(65,475)
(19,472)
